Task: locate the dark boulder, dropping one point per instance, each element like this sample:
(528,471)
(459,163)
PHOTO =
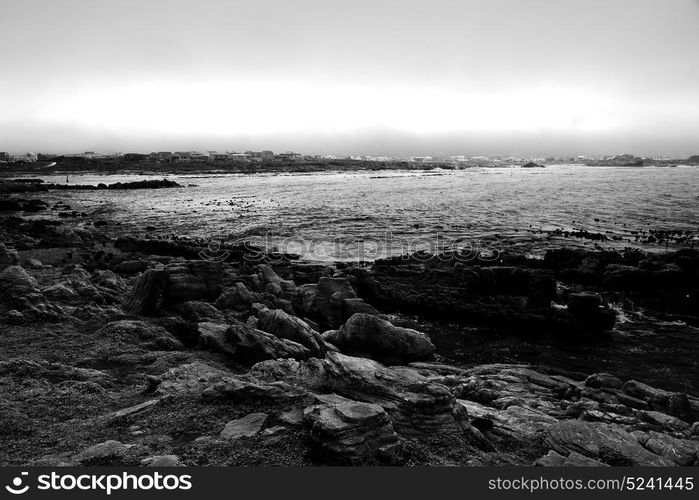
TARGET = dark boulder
(237,297)
(139,333)
(286,326)
(324,302)
(244,343)
(369,336)
(350,432)
(418,407)
(197,312)
(16,282)
(8,256)
(607,443)
(193,280)
(146,292)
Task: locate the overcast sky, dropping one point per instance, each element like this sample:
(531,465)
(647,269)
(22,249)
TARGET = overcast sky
(404,77)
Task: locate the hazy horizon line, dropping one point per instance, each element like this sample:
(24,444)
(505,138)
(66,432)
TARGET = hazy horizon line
(344,155)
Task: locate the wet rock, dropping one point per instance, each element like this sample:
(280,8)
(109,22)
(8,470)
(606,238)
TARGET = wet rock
(683,452)
(14,317)
(553,459)
(350,307)
(288,289)
(285,326)
(191,378)
(245,343)
(418,407)
(132,410)
(292,417)
(140,334)
(631,401)
(643,391)
(272,302)
(608,417)
(197,311)
(237,296)
(248,426)
(16,282)
(588,312)
(35,307)
(661,420)
(237,388)
(676,404)
(146,292)
(193,280)
(108,279)
(34,205)
(670,271)
(323,302)
(162,461)
(519,423)
(583,303)
(304,272)
(579,265)
(274,289)
(76,273)
(33,264)
(504,297)
(604,442)
(346,431)
(274,431)
(101,451)
(581,324)
(369,336)
(132,266)
(268,275)
(158,247)
(8,256)
(59,292)
(54,372)
(483,424)
(501,385)
(600,380)
(11,204)
(679,405)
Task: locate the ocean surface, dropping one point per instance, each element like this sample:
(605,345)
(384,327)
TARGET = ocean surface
(371,214)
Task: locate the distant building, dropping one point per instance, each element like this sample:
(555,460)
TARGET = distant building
(421,159)
(196,155)
(4,156)
(27,157)
(214,156)
(161,155)
(181,156)
(260,155)
(135,157)
(239,156)
(289,155)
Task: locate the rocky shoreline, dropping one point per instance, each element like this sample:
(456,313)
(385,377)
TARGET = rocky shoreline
(38,185)
(145,352)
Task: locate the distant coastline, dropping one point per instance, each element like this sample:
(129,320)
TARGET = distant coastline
(145,164)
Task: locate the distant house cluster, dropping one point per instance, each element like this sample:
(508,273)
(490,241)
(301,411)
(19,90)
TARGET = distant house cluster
(252,159)
(215,156)
(25,157)
(165,157)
